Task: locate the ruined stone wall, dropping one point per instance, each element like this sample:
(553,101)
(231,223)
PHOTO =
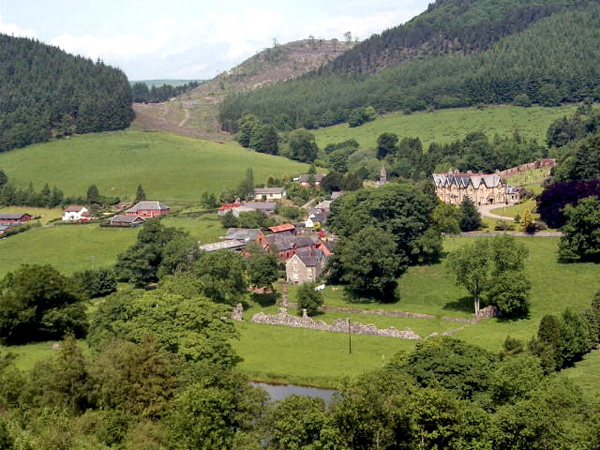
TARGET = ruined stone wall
(338,325)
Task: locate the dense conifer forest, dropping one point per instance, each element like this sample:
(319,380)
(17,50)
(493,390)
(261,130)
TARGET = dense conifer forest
(45,92)
(553,60)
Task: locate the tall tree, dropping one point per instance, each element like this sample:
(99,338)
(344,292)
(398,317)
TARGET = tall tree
(140,195)
(471,219)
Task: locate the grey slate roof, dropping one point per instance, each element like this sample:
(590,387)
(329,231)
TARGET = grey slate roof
(293,242)
(120,218)
(317,176)
(274,190)
(310,257)
(223,245)
(148,206)
(242,234)
(261,206)
(462,180)
(12,216)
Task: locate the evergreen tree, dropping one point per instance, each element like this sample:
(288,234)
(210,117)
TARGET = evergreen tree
(471,219)
(140,195)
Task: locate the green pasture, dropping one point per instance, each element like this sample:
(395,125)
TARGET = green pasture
(283,354)
(205,228)
(69,248)
(169,167)
(318,358)
(586,373)
(445,126)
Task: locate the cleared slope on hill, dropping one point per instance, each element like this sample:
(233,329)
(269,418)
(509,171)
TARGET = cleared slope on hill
(169,167)
(554,60)
(195,113)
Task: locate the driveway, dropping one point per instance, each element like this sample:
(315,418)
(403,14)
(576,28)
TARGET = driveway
(485,211)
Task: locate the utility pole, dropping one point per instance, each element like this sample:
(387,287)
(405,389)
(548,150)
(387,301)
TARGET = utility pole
(349,338)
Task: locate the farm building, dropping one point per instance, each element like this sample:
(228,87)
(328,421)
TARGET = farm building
(14,218)
(148,209)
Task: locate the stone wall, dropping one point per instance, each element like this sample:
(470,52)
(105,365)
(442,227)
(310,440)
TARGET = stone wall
(338,325)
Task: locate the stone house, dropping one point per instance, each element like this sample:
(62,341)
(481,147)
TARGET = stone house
(305,266)
(453,187)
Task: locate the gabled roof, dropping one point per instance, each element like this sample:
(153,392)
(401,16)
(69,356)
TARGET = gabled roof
(306,176)
(5,228)
(223,245)
(282,227)
(463,180)
(310,257)
(242,234)
(148,206)
(74,208)
(293,242)
(272,238)
(261,206)
(13,216)
(273,190)
(126,219)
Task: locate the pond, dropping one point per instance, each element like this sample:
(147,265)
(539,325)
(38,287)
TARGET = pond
(281,391)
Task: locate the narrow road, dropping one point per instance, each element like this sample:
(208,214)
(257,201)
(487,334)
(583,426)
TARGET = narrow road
(185,118)
(485,211)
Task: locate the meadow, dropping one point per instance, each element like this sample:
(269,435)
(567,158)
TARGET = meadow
(282,354)
(448,125)
(169,167)
(69,248)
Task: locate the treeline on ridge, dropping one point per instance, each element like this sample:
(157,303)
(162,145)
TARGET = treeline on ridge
(552,61)
(445,28)
(157,94)
(45,92)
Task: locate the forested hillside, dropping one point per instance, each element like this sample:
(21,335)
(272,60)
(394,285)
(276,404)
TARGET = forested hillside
(553,60)
(448,27)
(45,92)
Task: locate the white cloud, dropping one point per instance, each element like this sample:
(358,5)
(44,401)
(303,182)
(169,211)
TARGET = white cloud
(243,32)
(13,29)
(125,45)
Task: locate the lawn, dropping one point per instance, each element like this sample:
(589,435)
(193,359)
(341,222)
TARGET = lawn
(169,167)
(449,125)
(513,210)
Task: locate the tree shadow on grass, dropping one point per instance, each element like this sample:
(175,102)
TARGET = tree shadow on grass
(351,297)
(463,304)
(263,299)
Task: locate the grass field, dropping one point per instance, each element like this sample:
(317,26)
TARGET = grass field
(169,167)
(586,373)
(277,353)
(69,248)
(449,125)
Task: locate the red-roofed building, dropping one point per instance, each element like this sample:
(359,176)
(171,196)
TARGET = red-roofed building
(283,227)
(226,207)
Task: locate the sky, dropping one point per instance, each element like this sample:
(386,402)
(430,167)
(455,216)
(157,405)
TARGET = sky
(193,39)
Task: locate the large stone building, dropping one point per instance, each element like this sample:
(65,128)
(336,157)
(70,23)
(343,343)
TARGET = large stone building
(453,187)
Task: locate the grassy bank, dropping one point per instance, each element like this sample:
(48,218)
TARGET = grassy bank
(449,125)
(169,167)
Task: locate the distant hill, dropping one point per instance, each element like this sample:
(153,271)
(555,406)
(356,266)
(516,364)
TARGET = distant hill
(457,53)
(195,113)
(45,93)
(170,82)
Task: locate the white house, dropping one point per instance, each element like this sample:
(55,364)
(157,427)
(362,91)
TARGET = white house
(76,213)
(276,193)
